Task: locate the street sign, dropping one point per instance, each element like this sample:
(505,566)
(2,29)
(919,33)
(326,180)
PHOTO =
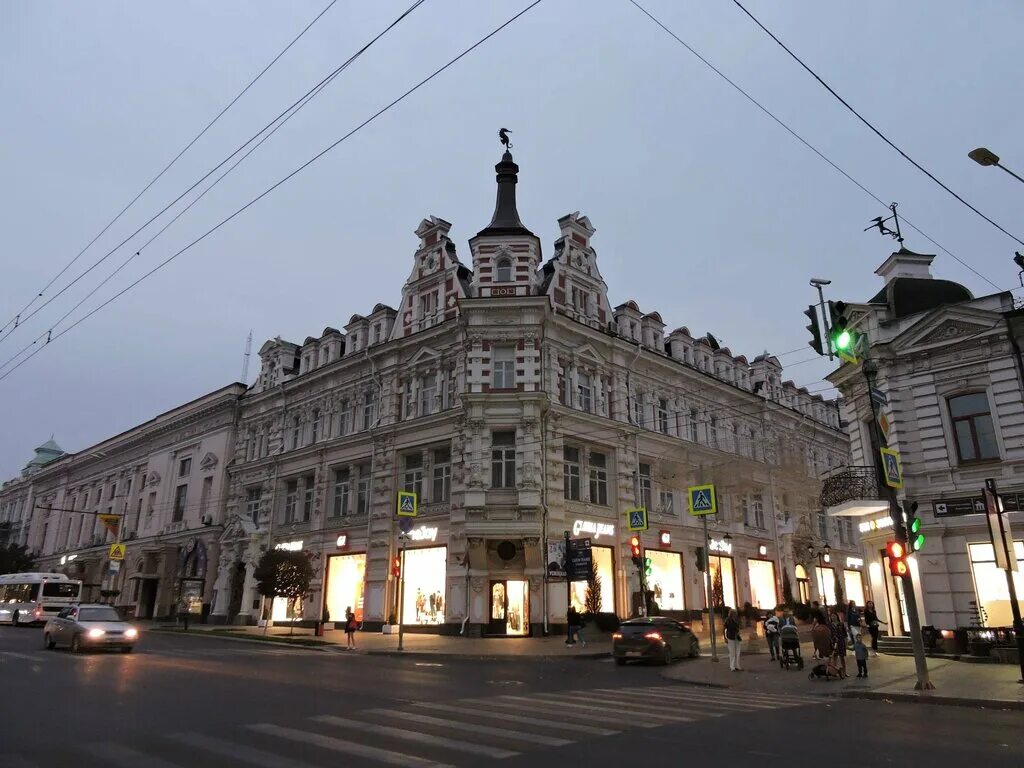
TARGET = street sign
(636,519)
(405,524)
(999,531)
(702,500)
(879,396)
(884,424)
(113,567)
(407,504)
(110,522)
(579,560)
(959,507)
(117,551)
(891,464)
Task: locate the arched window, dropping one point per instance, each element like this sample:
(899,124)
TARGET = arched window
(504,271)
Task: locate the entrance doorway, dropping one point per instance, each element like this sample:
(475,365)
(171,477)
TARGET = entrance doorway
(147,599)
(510,608)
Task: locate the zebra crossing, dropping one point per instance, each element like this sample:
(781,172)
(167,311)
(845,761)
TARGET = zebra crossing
(425,734)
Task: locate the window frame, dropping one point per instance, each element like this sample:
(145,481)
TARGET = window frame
(341,493)
(180,503)
(598,478)
(503,266)
(503,460)
(503,367)
(571,473)
(441,475)
(971,420)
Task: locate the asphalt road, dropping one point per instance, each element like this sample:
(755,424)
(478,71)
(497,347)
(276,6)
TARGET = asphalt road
(198,701)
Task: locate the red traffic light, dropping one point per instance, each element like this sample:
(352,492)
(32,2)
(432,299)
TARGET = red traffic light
(897,552)
(396,567)
(634,545)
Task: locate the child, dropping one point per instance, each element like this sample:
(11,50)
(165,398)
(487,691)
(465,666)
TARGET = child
(860,652)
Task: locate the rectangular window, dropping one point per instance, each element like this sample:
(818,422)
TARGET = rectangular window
(204,496)
(363,490)
(252,504)
(663,416)
(743,510)
(666,501)
(342,493)
(598,479)
(503,460)
(645,486)
(503,366)
(638,409)
(151,505)
(973,428)
(822,526)
(113,488)
(713,432)
(296,432)
(428,394)
(369,411)
(585,392)
(180,495)
(442,487)
(309,490)
(315,432)
(345,418)
(184,467)
(571,457)
(291,500)
(413,479)
(427,304)
(757,510)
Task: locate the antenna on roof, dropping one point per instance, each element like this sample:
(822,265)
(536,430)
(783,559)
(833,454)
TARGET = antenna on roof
(245,358)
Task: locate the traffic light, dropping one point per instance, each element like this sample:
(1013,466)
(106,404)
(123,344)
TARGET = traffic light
(647,566)
(634,551)
(914,534)
(815,328)
(844,338)
(396,566)
(700,559)
(897,552)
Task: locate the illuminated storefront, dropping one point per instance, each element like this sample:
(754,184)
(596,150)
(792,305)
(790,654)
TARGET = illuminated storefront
(666,579)
(424,597)
(803,584)
(723,578)
(510,607)
(853,580)
(285,610)
(763,594)
(604,563)
(346,576)
(990,584)
(825,578)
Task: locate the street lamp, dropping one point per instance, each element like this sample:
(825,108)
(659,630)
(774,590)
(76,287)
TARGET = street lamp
(821,553)
(986,157)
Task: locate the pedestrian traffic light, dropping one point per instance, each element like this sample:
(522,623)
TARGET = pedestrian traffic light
(844,338)
(897,552)
(815,328)
(396,566)
(647,566)
(915,534)
(634,551)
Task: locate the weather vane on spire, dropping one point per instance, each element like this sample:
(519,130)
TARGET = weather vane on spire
(505,140)
(879,223)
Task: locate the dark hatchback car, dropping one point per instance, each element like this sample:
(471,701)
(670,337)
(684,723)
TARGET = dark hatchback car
(656,638)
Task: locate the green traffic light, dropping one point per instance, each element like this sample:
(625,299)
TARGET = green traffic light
(915,525)
(843,340)
(919,542)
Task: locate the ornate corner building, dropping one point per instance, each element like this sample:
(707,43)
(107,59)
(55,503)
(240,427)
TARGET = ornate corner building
(520,406)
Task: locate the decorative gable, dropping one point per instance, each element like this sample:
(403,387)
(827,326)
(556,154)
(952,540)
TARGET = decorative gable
(432,291)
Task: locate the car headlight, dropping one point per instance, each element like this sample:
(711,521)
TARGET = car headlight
(131,633)
(94,633)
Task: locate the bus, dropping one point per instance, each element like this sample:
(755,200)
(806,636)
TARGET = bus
(31,598)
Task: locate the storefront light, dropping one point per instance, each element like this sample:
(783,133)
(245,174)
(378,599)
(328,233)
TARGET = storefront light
(290,546)
(592,527)
(720,545)
(854,562)
(342,540)
(665,537)
(424,533)
(762,550)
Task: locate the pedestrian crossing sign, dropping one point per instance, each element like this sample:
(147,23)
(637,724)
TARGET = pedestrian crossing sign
(636,519)
(702,500)
(893,471)
(117,551)
(407,506)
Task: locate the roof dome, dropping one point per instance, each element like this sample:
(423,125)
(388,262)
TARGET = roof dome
(910,295)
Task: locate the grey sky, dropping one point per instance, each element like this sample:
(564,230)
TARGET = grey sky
(706,210)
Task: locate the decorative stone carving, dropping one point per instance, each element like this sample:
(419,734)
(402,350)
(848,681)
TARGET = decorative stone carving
(153,479)
(209,462)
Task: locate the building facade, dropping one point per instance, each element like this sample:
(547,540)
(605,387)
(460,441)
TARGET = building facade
(521,406)
(949,366)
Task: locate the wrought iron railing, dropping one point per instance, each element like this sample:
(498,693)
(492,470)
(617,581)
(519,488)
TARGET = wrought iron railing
(848,483)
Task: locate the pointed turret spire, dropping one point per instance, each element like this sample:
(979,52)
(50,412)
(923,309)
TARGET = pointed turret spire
(506,218)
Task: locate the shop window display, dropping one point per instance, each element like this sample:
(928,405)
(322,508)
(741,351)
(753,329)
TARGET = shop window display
(602,557)
(825,578)
(666,579)
(990,584)
(853,586)
(762,584)
(723,581)
(425,573)
(345,584)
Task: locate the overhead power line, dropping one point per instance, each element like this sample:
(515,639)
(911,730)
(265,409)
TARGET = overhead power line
(50,337)
(866,122)
(16,320)
(805,142)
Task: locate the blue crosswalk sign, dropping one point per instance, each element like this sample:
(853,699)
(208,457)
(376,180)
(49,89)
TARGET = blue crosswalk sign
(636,519)
(702,500)
(407,506)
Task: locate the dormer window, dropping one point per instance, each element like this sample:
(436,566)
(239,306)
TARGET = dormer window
(504,271)
(376,333)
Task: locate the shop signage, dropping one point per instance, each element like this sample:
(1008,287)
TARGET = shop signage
(665,538)
(290,546)
(65,559)
(556,559)
(579,559)
(720,545)
(891,464)
(597,530)
(877,524)
(424,533)
(342,541)
(854,562)
(702,500)
(762,550)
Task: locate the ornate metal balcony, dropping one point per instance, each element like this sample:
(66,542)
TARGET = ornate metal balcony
(852,492)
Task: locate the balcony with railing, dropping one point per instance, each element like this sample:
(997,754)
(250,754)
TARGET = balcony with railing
(852,492)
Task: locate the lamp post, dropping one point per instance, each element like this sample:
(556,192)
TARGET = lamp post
(821,552)
(986,157)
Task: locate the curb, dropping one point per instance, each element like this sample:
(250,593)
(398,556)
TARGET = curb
(224,636)
(925,698)
(487,657)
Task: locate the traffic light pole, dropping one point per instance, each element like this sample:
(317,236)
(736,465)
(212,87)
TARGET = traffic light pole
(401,591)
(899,526)
(710,600)
(1018,624)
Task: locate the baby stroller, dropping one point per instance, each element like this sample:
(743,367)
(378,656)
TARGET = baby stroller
(789,640)
(828,670)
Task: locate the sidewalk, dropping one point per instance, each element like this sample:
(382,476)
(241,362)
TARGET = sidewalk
(414,644)
(891,678)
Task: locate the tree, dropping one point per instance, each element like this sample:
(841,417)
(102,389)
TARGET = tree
(718,591)
(283,573)
(787,589)
(592,598)
(840,597)
(15,558)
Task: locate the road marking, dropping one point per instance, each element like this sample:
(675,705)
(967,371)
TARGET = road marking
(718,698)
(516,718)
(505,733)
(700,700)
(421,738)
(235,751)
(26,656)
(346,747)
(568,701)
(634,702)
(118,754)
(530,705)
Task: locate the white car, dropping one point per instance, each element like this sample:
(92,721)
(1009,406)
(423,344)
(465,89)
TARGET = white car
(90,625)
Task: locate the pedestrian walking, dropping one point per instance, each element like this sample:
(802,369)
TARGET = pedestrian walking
(732,640)
(854,619)
(771,633)
(838,632)
(860,653)
(872,621)
(350,627)
(821,638)
(575,624)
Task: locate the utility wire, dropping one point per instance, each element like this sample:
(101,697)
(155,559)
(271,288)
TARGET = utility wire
(315,89)
(16,320)
(52,337)
(806,143)
(866,122)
